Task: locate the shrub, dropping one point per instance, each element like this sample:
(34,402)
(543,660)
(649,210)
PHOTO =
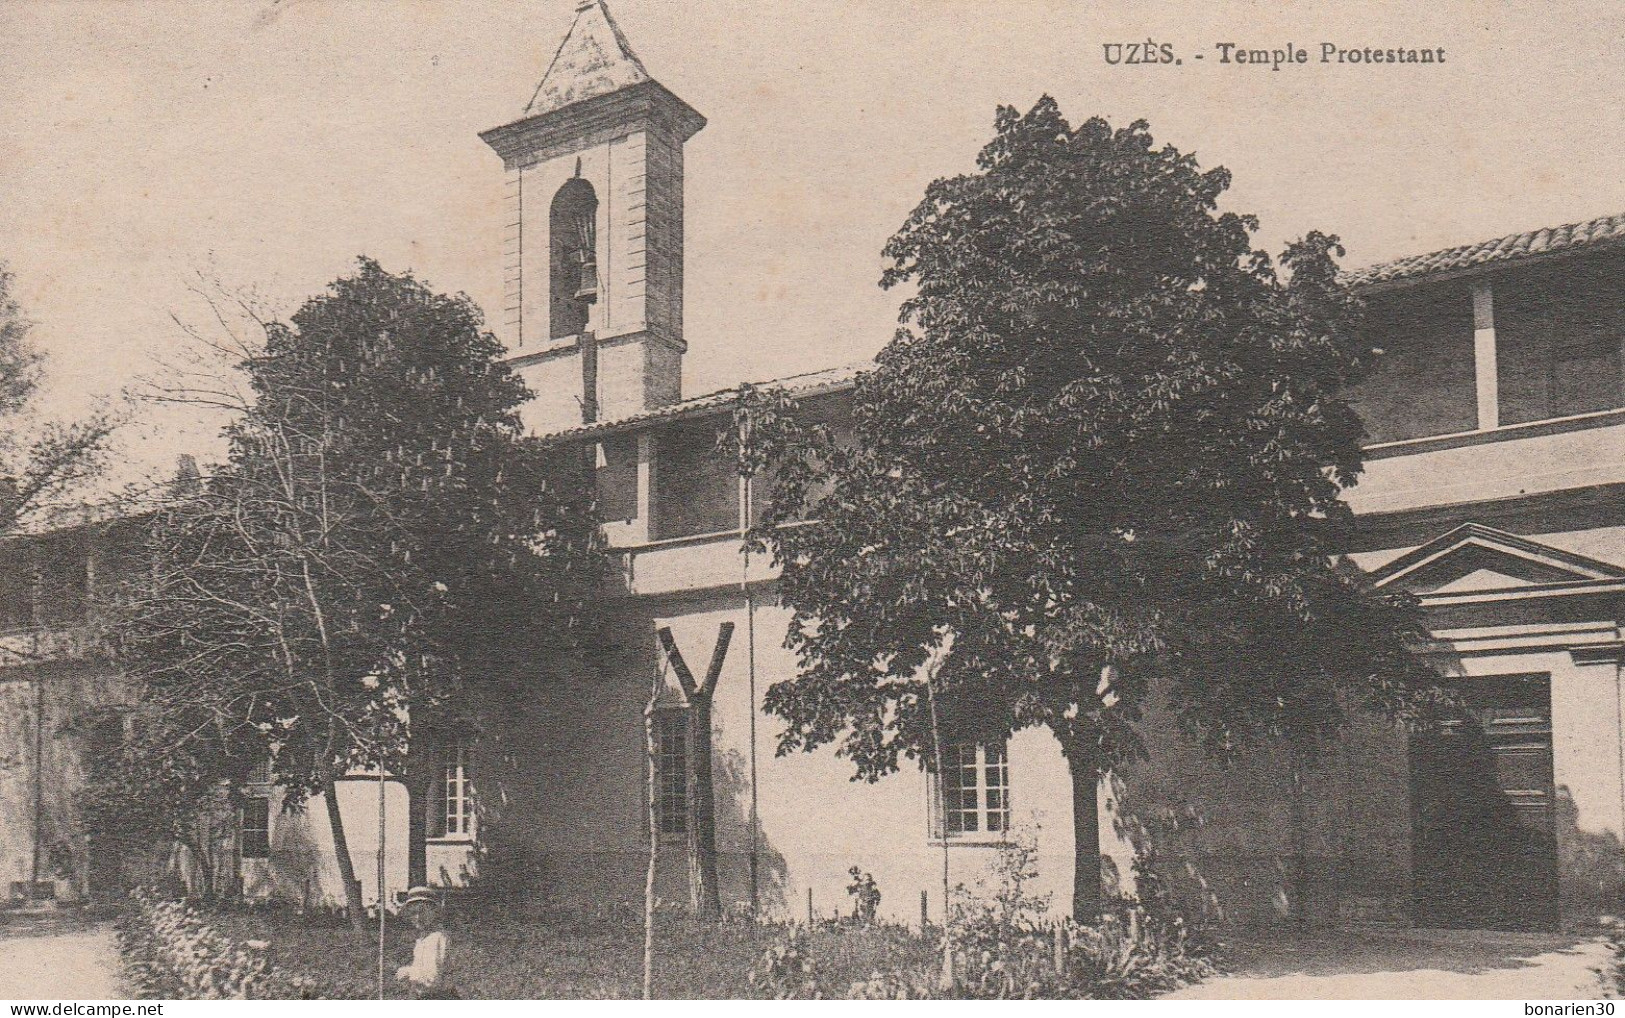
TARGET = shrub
(1130,955)
(785,970)
(865,895)
(171,953)
(1612,972)
(1005,948)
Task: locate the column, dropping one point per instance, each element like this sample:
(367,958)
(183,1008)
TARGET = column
(646,488)
(1484,361)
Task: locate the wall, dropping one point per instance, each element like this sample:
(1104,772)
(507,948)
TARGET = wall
(302,866)
(1240,841)
(70,688)
(1511,464)
(584,802)
(575,812)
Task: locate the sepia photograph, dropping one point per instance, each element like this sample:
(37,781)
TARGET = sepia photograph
(812,499)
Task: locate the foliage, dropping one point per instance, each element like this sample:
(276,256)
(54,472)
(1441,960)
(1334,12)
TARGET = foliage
(379,522)
(785,971)
(171,953)
(1121,957)
(1103,453)
(1006,948)
(1003,899)
(40,460)
(513,953)
(142,794)
(597,953)
(865,895)
(1612,972)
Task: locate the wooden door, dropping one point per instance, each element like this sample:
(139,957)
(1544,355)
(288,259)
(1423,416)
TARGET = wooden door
(1485,846)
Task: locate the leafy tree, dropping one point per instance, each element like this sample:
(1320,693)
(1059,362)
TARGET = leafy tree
(1101,457)
(333,595)
(143,794)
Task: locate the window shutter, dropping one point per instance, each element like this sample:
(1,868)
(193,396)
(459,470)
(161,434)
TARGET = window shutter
(933,803)
(256,828)
(435,814)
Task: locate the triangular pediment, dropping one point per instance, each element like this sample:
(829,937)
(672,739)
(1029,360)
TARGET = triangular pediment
(1474,558)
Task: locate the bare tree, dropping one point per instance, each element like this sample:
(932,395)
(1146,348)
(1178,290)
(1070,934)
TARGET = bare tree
(40,459)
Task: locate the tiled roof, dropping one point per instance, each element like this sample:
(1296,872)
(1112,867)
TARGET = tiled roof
(1550,240)
(593,60)
(812,383)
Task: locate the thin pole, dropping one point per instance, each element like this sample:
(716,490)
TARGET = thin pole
(750,669)
(942,816)
(1619,717)
(39,781)
(383,833)
(651,748)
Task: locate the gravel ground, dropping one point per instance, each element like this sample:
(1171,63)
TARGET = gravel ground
(1407,965)
(56,958)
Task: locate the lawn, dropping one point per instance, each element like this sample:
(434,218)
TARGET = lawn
(528,956)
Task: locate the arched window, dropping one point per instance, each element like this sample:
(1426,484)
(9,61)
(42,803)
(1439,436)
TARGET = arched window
(573,283)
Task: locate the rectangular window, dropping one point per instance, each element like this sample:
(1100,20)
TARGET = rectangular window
(256,827)
(450,812)
(1558,336)
(975,797)
(1424,382)
(697,490)
(459,795)
(671,773)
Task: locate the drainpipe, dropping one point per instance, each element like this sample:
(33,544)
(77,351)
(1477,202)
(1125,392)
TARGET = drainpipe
(1619,722)
(589,377)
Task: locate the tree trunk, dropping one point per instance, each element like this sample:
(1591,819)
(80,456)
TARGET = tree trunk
(705,897)
(1298,893)
(419,775)
(1085,769)
(341,851)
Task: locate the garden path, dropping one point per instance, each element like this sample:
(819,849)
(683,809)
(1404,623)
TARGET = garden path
(45,960)
(1381,964)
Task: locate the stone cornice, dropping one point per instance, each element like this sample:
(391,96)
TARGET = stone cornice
(648,105)
(566,346)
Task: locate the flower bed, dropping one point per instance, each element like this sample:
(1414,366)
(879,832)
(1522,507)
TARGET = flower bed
(171,952)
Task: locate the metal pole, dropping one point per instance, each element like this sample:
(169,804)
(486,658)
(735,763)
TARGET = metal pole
(750,668)
(382,912)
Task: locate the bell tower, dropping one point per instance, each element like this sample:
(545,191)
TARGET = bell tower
(593,252)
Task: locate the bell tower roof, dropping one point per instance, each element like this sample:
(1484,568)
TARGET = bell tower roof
(593,60)
(594,80)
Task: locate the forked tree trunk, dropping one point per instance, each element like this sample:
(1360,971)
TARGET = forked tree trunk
(705,893)
(341,851)
(705,896)
(1084,767)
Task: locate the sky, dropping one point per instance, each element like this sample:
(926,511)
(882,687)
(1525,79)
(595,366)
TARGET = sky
(270,142)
